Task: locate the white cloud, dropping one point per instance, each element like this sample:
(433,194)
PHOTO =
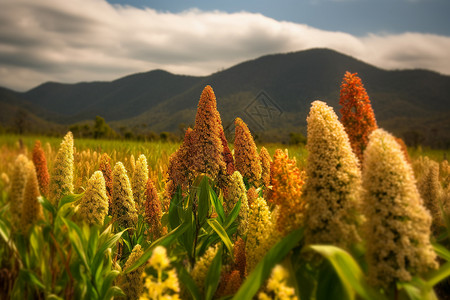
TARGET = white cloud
(84,40)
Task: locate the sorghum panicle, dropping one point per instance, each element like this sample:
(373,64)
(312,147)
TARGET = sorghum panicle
(31,208)
(236,191)
(246,155)
(358,117)
(93,206)
(123,206)
(333,181)
(40,162)
(61,179)
(18,182)
(397,229)
(139,181)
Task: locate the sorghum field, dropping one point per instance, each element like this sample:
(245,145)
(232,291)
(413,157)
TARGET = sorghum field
(352,215)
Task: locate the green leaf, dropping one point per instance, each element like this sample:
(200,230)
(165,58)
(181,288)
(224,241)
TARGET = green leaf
(47,205)
(29,276)
(329,285)
(163,241)
(222,234)
(263,269)
(175,204)
(4,231)
(233,214)
(348,271)
(113,292)
(76,239)
(417,289)
(218,205)
(69,199)
(438,275)
(110,242)
(203,201)
(107,283)
(441,251)
(212,279)
(186,279)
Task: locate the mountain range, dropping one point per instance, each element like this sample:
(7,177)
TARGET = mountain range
(272,94)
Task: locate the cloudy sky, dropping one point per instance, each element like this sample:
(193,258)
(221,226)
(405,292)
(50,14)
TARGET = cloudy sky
(86,40)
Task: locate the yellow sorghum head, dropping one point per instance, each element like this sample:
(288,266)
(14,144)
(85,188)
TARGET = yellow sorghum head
(430,191)
(61,179)
(123,207)
(132,283)
(93,206)
(31,208)
(201,267)
(206,150)
(398,225)
(277,287)
(18,182)
(236,191)
(139,181)
(105,167)
(333,181)
(261,234)
(165,285)
(246,154)
(266,160)
(153,211)
(40,162)
(286,191)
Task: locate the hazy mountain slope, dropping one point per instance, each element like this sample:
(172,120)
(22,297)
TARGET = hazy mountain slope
(407,100)
(119,99)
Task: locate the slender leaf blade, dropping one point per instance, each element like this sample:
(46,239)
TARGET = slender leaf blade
(222,234)
(212,279)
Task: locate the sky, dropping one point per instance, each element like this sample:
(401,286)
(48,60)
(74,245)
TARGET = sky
(98,40)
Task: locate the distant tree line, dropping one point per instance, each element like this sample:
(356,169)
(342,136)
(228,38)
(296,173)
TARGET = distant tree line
(102,130)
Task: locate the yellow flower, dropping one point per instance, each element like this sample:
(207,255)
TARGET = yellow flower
(165,284)
(236,191)
(261,234)
(123,207)
(18,182)
(61,180)
(277,286)
(93,206)
(398,226)
(333,181)
(246,154)
(139,181)
(132,283)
